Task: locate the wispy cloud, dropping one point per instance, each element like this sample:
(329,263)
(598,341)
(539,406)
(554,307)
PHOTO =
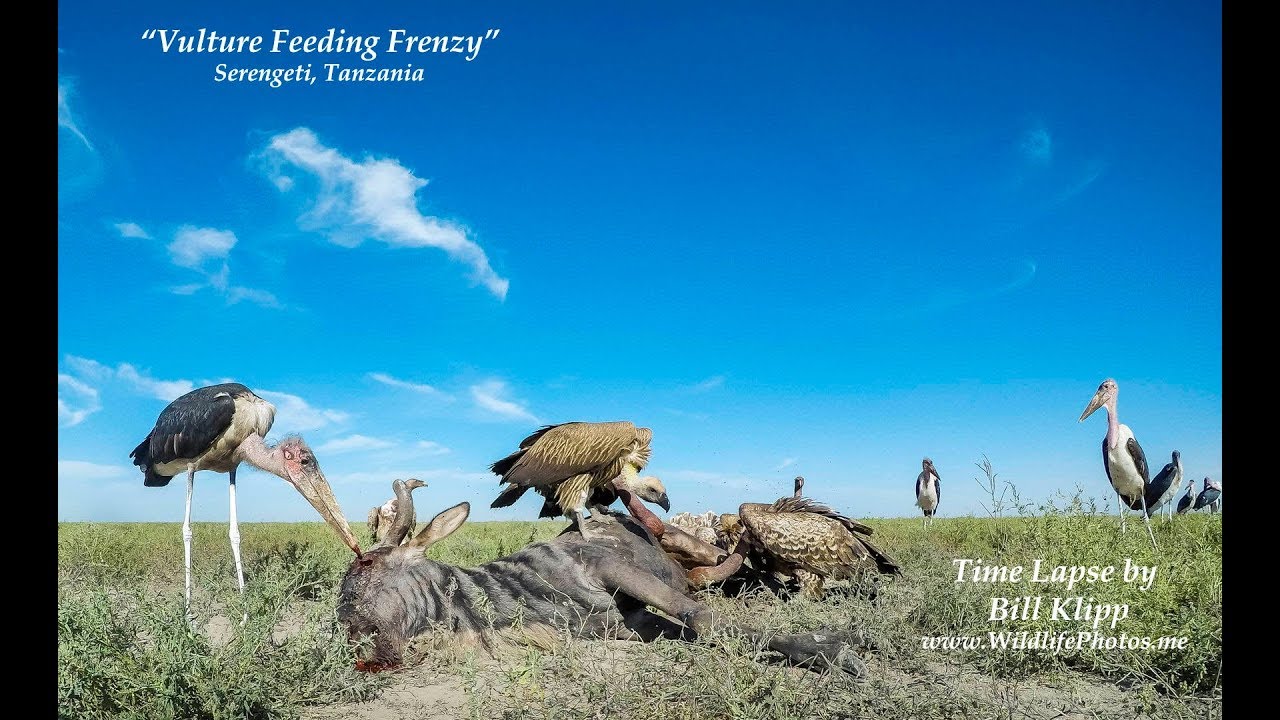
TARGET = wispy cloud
(489,397)
(430,447)
(449,477)
(132,230)
(711,383)
(83,471)
(193,246)
(1036,146)
(370,198)
(139,381)
(205,250)
(947,298)
(786,463)
(76,400)
(293,414)
(686,414)
(704,478)
(422,388)
(352,443)
(65,117)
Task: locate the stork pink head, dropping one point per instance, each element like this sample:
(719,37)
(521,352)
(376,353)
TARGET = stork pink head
(1105,396)
(303,472)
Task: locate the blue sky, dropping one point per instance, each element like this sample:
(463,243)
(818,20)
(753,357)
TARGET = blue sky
(815,238)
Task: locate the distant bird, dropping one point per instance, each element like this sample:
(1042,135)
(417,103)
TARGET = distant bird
(1164,486)
(799,485)
(216,428)
(1188,500)
(810,541)
(1210,497)
(648,488)
(572,460)
(1122,456)
(928,490)
(381,518)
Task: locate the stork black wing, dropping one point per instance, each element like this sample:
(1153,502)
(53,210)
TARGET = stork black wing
(919,484)
(937,487)
(186,428)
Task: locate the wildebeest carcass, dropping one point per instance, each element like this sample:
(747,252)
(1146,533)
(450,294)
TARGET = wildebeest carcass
(598,587)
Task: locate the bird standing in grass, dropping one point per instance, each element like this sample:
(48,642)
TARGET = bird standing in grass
(809,541)
(1188,500)
(572,460)
(928,490)
(217,428)
(1210,497)
(381,518)
(1164,486)
(1122,456)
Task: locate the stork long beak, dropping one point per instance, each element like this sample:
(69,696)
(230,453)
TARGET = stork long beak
(1099,399)
(315,488)
(664,502)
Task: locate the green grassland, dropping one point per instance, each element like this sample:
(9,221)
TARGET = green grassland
(124,649)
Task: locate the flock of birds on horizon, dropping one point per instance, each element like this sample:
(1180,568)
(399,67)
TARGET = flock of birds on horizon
(586,466)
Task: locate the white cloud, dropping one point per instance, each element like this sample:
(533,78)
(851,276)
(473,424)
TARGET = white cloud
(76,401)
(236,293)
(139,381)
(192,246)
(450,477)
(1037,145)
(786,463)
(80,470)
(488,396)
(132,230)
(430,447)
(293,414)
(65,118)
(709,384)
(371,198)
(386,379)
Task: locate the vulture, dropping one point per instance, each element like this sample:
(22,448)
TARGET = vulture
(807,540)
(572,460)
(648,488)
(701,526)
(381,517)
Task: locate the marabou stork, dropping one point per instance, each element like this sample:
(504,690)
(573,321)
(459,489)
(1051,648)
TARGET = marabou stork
(1188,500)
(1210,496)
(216,428)
(1164,486)
(573,460)
(1122,457)
(928,490)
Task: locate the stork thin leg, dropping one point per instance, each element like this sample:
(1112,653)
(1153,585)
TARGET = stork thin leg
(1120,509)
(186,540)
(235,543)
(1147,519)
